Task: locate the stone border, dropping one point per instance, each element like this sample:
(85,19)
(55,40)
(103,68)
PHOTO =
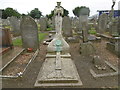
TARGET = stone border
(21,73)
(105,74)
(5,50)
(11,60)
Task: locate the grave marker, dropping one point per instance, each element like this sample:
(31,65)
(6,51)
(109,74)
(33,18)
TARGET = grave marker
(29,33)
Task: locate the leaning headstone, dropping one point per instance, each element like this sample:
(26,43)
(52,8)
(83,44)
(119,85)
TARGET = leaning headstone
(29,33)
(15,24)
(43,24)
(67,27)
(102,23)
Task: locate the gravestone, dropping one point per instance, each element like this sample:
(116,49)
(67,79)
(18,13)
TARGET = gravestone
(43,24)
(86,48)
(67,27)
(53,22)
(5,37)
(5,22)
(29,33)
(114,27)
(75,24)
(58,70)
(102,23)
(15,24)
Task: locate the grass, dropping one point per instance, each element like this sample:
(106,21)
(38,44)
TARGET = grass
(41,36)
(92,31)
(18,41)
(49,29)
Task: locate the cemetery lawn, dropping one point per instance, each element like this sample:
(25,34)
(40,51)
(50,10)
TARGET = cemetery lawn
(18,41)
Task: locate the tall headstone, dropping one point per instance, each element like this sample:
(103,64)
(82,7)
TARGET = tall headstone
(86,48)
(75,24)
(53,22)
(67,27)
(15,24)
(29,33)
(43,24)
(102,23)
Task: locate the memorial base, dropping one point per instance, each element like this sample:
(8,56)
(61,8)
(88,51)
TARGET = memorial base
(66,77)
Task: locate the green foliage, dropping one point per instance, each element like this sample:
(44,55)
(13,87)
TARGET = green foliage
(76,11)
(92,31)
(17,42)
(49,29)
(38,25)
(50,15)
(42,36)
(115,34)
(66,12)
(8,12)
(35,13)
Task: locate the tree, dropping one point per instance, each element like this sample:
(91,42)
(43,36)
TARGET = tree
(66,12)
(35,13)
(50,15)
(76,11)
(8,12)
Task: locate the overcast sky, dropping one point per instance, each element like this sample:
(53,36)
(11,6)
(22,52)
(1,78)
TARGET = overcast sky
(45,6)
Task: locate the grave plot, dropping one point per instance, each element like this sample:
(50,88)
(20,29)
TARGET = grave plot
(18,64)
(109,61)
(58,69)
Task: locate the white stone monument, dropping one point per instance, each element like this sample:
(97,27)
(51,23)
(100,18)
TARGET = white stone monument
(58,70)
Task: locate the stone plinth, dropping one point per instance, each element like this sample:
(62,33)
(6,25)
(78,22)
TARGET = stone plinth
(66,77)
(87,49)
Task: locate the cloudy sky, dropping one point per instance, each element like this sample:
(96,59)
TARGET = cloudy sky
(45,6)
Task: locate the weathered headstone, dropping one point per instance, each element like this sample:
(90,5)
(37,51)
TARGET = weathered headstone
(5,22)
(43,24)
(29,33)
(114,27)
(67,27)
(102,23)
(5,37)
(53,22)
(15,24)
(86,48)
(75,24)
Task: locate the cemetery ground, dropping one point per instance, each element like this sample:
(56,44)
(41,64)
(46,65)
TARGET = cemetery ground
(82,63)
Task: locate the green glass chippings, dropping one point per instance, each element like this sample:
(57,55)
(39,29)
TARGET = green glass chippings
(58,44)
